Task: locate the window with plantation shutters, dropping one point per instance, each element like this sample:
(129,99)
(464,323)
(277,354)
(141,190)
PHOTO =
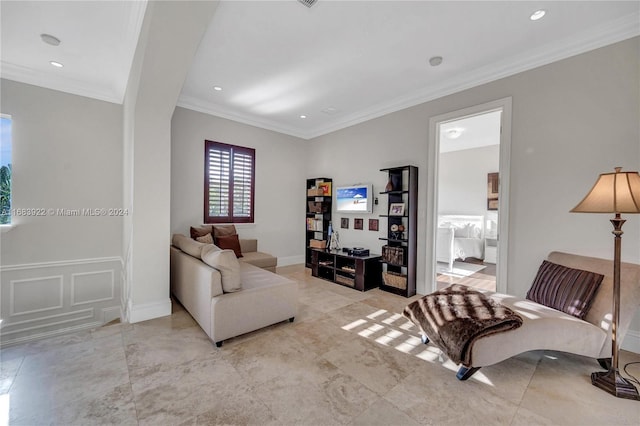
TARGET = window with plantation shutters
(228,183)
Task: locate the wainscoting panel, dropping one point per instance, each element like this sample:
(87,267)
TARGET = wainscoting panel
(33,295)
(46,299)
(92,287)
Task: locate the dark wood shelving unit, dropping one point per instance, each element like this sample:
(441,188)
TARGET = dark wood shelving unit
(318,208)
(401,277)
(358,272)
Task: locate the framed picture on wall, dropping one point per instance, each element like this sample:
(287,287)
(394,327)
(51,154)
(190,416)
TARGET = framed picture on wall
(357,223)
(344,223)
(493,181)
(373,224)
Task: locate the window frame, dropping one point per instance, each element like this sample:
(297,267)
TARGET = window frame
(232,149)
(11,223)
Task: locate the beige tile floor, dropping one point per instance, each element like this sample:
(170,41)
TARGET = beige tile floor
(349,358)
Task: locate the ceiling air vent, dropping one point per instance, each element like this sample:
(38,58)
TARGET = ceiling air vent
(308,3)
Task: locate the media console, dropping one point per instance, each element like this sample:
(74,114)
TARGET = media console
(359,272)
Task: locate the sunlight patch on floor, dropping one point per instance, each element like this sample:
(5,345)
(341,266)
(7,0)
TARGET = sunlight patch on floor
(389,337)
(354,324)
(480,377)
(393,318)
(409,344)
(371,330)
(377,314)
(4,409)
(386,329)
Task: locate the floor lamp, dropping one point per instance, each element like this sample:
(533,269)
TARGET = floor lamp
(617,193)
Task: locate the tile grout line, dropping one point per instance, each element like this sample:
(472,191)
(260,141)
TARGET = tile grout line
(126,360)
(515,414)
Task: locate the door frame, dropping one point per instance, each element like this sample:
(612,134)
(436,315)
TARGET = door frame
(433,152)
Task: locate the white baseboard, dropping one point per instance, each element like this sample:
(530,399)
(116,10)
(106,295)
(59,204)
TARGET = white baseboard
(631,341)
(290,260)
(146,311)
(47,334)
(110,314)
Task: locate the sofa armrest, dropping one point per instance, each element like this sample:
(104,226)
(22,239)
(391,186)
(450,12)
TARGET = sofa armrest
(194,284)
(248,245)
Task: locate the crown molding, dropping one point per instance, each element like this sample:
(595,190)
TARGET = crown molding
(597,37)
(593,38)
(199,105)
(74,86)
(110,91)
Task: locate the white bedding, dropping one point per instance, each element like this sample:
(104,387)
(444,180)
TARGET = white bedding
(468,247)
(459,237)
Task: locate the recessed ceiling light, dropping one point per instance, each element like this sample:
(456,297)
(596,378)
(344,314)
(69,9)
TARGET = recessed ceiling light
(56,64)
(435,61)
(217,88)
(330,110)
(49,39)
(303,116)
(453,133)
(538,14)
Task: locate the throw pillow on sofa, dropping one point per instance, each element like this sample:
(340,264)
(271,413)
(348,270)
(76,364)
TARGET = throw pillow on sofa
(200,231)
(223,231)
(230,242)
(566,289)
(226,262)
(187,245)
(206,239)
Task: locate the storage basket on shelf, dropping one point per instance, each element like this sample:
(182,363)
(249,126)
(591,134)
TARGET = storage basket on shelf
(345,280)
(315,192)
(316,207)
(394,279)
(393,255)
(318,244)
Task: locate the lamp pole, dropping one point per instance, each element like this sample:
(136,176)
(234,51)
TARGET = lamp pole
(611,381)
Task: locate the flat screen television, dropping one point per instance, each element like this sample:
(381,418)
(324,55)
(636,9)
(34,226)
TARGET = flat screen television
(354,199)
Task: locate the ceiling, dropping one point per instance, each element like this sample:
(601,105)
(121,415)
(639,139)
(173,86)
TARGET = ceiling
(97,43)
(475,131)
(338,63)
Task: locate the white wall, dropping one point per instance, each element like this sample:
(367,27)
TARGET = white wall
(66,155)
(170,36)
(462,179)
(572,120)
(356,154)
(280,180)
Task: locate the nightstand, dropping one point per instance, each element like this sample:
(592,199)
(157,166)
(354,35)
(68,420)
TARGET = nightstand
(490,250)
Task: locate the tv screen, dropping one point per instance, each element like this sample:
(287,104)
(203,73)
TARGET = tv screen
(354,199)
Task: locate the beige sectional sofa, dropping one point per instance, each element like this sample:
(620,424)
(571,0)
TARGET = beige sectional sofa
(236,296)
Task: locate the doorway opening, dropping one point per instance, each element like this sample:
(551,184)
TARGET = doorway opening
(469,197)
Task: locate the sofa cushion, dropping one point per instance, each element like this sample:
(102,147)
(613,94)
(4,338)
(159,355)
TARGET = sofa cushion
(230,242)
(206,239)
(259,259)
(248,244)
(226,262)
(200,231)
(223,231)
(565,289)
(187,245)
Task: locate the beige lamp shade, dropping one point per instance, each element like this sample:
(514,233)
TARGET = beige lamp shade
(617,192)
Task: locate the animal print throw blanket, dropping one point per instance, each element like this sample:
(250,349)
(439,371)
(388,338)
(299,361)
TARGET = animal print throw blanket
(455,317)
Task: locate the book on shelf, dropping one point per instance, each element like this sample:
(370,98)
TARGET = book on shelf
(314,224)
